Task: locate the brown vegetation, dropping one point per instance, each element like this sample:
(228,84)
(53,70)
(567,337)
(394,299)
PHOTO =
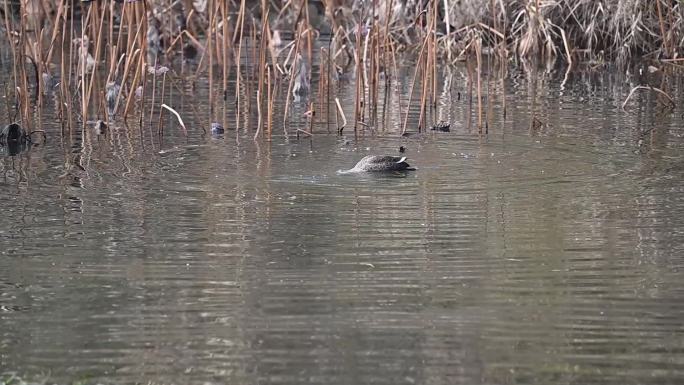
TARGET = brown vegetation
(107,55)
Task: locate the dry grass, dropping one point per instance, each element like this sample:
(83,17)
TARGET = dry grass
(116,42)
(612,29)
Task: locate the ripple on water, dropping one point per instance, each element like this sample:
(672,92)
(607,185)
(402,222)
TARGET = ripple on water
(526,256)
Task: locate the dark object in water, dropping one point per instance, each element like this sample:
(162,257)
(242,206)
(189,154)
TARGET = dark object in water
(189,51)
(100,128)
(217,128)
(537,123)
(380,163)
(16,148)
(13,133)
(441,126)
(15,138)
(402,149)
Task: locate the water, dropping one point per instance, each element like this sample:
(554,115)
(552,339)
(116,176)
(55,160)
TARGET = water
(531,255)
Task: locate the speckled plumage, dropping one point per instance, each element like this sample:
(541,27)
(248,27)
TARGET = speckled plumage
(111,96)
(380,163)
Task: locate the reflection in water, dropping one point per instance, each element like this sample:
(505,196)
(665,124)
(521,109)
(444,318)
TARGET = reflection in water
(541,253)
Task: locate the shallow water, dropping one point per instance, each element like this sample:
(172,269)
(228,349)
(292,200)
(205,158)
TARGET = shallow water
(531,255)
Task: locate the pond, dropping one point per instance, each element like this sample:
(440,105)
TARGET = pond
(549,250)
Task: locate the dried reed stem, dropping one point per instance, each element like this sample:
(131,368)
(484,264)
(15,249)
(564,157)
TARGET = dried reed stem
(292,75)
(658,90)
(180,120)
(341,113)
(413,85)
(478,57)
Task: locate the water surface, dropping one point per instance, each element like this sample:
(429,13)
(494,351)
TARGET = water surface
(535,254)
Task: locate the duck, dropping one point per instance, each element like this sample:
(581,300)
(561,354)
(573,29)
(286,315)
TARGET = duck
(380,163)
(217,128)
(442,126)
(100,127)
(111,95)
(301,81)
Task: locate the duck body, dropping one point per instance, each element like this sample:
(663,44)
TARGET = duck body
(302,82)
(100,128)
(380,163)
(112,94)
(442,126)
(217,128)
